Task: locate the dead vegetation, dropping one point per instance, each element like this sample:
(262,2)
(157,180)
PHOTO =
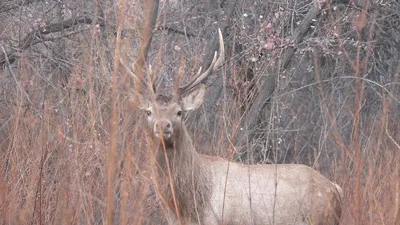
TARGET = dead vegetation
(311,82)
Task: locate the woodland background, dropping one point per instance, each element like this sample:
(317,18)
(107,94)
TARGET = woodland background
(311,82)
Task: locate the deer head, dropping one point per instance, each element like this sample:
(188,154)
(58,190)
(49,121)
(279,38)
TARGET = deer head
(165,119)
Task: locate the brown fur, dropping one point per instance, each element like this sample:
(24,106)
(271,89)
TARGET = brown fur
(189,181)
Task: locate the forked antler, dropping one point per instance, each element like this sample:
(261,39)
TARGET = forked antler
(155,80)
(215,64)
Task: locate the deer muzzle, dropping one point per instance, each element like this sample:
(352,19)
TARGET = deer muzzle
(163,129)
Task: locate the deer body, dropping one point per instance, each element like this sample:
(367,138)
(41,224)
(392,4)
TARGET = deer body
(200,189)
(272,194)
(211,190)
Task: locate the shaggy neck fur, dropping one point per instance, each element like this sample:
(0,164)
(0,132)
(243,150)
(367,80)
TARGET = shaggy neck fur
(189,177)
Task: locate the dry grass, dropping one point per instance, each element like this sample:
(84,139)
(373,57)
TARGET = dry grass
(79,155)
(54,169)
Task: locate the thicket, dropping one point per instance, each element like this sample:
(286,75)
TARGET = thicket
(312,82)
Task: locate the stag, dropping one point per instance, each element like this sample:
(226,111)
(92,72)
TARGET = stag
(209,190)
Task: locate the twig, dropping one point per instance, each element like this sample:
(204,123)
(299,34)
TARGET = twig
(174,30)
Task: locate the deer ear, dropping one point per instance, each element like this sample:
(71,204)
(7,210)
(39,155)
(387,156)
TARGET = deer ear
(194,99)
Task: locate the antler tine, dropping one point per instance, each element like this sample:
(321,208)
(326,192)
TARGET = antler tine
(154,79)
(200,76)
(137,80)
(221,58)
(215,64)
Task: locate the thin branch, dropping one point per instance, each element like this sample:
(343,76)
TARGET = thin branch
(174,30)
(14,76)
(8,6)
(36,36)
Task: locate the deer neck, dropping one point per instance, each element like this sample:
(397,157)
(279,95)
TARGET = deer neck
(189,177)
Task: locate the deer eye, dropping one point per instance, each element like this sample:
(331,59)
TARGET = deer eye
(179,113)
(148,112)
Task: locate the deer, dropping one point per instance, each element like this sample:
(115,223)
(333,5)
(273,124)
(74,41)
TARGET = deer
(200,189)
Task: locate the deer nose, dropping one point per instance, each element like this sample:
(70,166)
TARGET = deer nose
(163,126)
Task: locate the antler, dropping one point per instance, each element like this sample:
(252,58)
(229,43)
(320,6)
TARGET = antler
(215,64)
(155,80)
